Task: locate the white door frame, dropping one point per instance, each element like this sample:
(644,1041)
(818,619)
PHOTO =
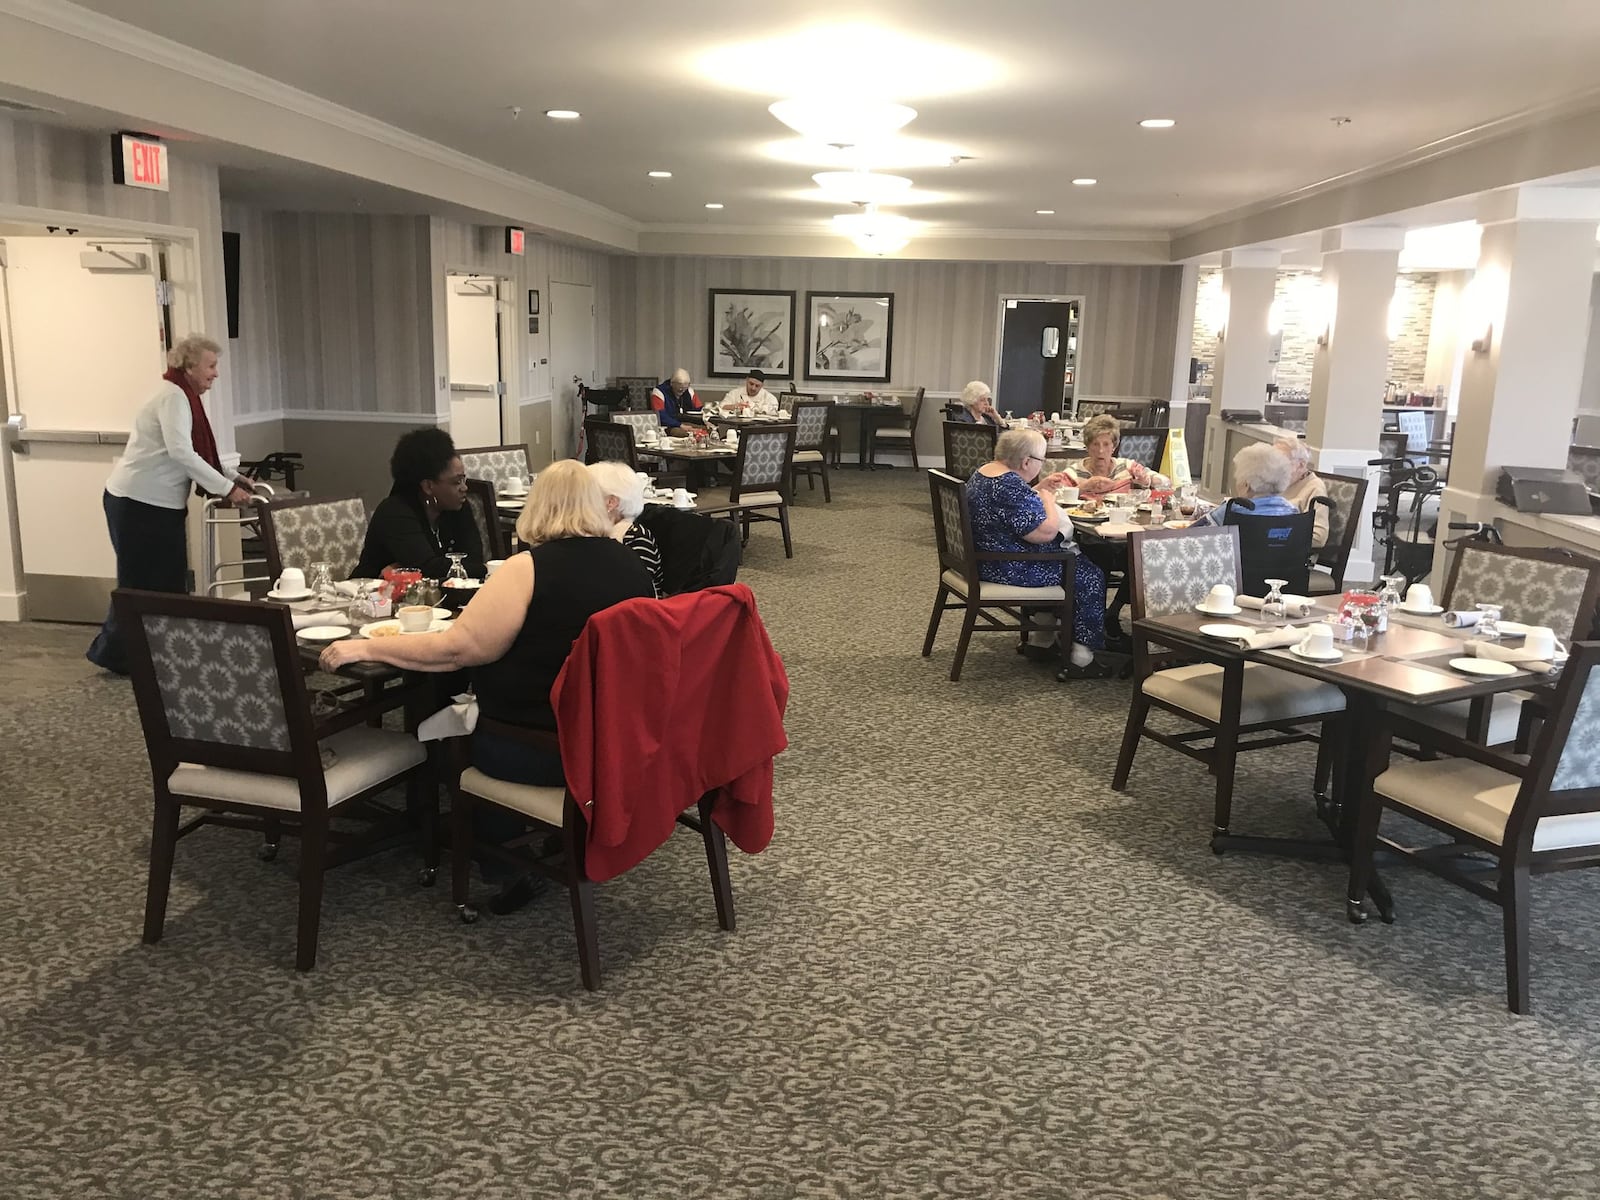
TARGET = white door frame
(1000,328)
(504,291)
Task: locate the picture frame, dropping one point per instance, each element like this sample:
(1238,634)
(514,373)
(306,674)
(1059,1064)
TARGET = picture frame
(749,328)
(849,336)
(533,302)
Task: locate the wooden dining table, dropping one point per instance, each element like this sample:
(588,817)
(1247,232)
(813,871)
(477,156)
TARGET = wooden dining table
(1407,665)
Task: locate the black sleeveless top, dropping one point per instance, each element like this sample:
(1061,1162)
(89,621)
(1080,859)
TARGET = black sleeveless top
(573,578)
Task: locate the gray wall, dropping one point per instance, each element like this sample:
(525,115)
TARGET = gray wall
(945,314)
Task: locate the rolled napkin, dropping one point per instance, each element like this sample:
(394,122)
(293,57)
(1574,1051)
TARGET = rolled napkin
(1295,606)
(306,620)
(1507,654)
(1268,639)
(1461,620)
(456,720)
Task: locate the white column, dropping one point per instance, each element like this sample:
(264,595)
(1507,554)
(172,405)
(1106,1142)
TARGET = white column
(1183,346)
(1526,319)
(1345,415)
(1249,281)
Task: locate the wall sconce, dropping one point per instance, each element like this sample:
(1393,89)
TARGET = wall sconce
(1481,343)
(1325,336)
(1275,318)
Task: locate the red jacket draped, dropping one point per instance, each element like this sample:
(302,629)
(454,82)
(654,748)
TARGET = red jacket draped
(660,703)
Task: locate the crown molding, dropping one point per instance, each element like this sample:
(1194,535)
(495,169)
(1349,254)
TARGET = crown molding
(117,36)
(927,232)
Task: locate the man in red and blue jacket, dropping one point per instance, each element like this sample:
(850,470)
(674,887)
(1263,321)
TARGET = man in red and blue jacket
(672,398)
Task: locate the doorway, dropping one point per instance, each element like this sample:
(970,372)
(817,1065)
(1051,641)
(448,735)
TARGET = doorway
(572,359)
(1037,366)
(474,305)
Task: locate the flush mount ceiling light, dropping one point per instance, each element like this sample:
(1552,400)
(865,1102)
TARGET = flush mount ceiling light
(829,55)
(1084,182)
(659,174)
(1157,123)
(713,206)
(843,120)
(861,187)
(875,232)
(562,114)
(897,153)
(1044,212)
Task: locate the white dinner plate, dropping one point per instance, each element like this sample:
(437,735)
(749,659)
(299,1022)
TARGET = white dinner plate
(323,633)
(1432,610)
(1483,666)
(289,597)
(1232,610)
(1514,628)
(392,623)
(518,503)
(1226,631)
(463,585)
(1331,656)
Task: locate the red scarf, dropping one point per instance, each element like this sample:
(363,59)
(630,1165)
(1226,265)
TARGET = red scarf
(205,442)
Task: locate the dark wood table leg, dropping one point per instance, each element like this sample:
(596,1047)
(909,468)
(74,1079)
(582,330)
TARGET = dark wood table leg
(864,448)
(1366,756)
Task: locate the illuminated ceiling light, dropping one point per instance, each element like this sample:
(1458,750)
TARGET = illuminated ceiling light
(1084,182)
(659,174)
(861,187)
(1044,212)
(1157,123)
(562,114)
(897,153)
(830,56)
(843,120)
(875,232)
(713,206)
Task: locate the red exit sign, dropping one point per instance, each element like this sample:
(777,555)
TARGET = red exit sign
(139,161)
(516,240)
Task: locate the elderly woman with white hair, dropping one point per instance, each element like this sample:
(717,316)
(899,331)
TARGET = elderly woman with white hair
(977,405)
(624,492)
(1011,515)
(170,449)
(1305,485)
(1260,475)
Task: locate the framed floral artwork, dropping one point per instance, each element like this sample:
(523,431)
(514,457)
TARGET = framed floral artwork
(849,335)
(751,329)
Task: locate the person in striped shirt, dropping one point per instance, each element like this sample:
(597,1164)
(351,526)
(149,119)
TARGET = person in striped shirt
(624,492)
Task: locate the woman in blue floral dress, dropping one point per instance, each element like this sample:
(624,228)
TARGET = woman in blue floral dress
(1010,515)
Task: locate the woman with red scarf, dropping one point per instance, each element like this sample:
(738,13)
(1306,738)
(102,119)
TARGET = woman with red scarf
(170,449)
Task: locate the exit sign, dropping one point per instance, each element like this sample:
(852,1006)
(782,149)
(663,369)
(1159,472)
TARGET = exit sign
(139,161)
(515,240)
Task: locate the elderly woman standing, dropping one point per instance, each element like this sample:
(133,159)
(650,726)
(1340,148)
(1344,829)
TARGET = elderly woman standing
(170,449)
(1305,485)
(624,492)
(977,405)
(1011,515)
(1100,472)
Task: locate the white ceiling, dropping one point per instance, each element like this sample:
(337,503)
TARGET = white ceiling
(1038,92)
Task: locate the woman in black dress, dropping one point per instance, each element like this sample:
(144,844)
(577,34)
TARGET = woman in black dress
(425,516)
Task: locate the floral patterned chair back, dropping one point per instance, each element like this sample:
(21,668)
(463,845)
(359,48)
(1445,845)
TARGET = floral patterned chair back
(810,423)
(638,389)
(637,421)
(1574,731)
(763,462)
(1584,461)
(1171,570)
(1536,586)
(298,533)
(610,441)
(1094,408)
(500,465)
(967,446)
(1345,494)
(1143,446)
(952,523)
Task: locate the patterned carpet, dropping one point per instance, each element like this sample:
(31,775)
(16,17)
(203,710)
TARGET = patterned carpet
(964,968)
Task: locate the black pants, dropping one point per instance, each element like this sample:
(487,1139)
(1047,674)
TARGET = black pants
(152,549)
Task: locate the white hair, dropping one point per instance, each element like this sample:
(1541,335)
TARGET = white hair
(679,375)
(185,354)
(1260,470)
(1298,452)
(975,391)
(616,480)
(1014,445)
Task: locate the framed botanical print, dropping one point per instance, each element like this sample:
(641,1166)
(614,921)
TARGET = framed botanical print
(750,329)
(848,335)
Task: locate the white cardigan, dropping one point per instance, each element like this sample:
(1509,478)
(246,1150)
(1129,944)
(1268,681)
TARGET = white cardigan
(160,462)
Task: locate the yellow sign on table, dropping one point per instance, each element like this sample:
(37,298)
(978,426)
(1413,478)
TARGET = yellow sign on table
(1175,460)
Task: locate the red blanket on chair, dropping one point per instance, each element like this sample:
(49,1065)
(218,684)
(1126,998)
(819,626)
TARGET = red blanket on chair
(662,702)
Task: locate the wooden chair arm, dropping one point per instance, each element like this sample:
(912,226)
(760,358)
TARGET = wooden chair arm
(1429,738)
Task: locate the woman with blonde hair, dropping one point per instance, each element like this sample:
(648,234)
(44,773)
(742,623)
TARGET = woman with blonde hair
(170,450)
(1100,472)
(515,635)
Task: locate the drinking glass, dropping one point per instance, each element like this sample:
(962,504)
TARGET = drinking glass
(1359,611)
(1186,505)
(1488,627)
(321,581)
(1273,608)
(360,611)
(457,570)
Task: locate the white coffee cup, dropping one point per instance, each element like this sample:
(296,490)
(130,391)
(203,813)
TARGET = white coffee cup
(493,565)
(1419,595)
(1055,418)
(516,487)
(1220,597)
(1067,495)
(1540,642)
(414,618)
(1318,641)
(292,580)
(783,414)
(680,497)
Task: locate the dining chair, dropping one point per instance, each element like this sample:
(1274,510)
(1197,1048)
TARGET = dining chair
(1084,409)
(1532,815)
(1390,446)
(637,421)
(1157,413)
(500,465)
(898,437)
(299,532)
(761,481)
(609,441)
(967,446)
(810,444)
(986,607)
(1584,461)
(1273,547)
(486,516)
(1144,446)
(228,729)
(1536,585)
(638,389)
(1169,572)
(1346,494)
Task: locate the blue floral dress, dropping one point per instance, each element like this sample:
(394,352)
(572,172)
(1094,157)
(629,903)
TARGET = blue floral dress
(1004,510)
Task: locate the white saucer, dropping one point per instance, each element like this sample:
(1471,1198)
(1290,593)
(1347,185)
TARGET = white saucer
(1433,610)
(462,585)
(323,633)
(1513,628)
(1483,666)
(1226,631)
(289,597)
(519,497)
(1332,656)
(1231,611)
(393,623)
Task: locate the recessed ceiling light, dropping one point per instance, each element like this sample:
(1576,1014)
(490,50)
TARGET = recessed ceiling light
(659,174)
(562,114)
(1085,182)
(713,206)
(1158,123)
(1044,212)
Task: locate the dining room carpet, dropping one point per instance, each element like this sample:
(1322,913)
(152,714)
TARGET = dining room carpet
(965,967)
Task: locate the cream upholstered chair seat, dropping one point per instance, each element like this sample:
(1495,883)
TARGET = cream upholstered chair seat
(1269,694)
(1477,798)
(894,433)
(541,803)
(808,456)
(760,499)
(364,758)
(998,592)
(1504,713)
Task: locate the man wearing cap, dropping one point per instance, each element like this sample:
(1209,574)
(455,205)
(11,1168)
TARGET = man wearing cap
(754,394)
(672,398)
